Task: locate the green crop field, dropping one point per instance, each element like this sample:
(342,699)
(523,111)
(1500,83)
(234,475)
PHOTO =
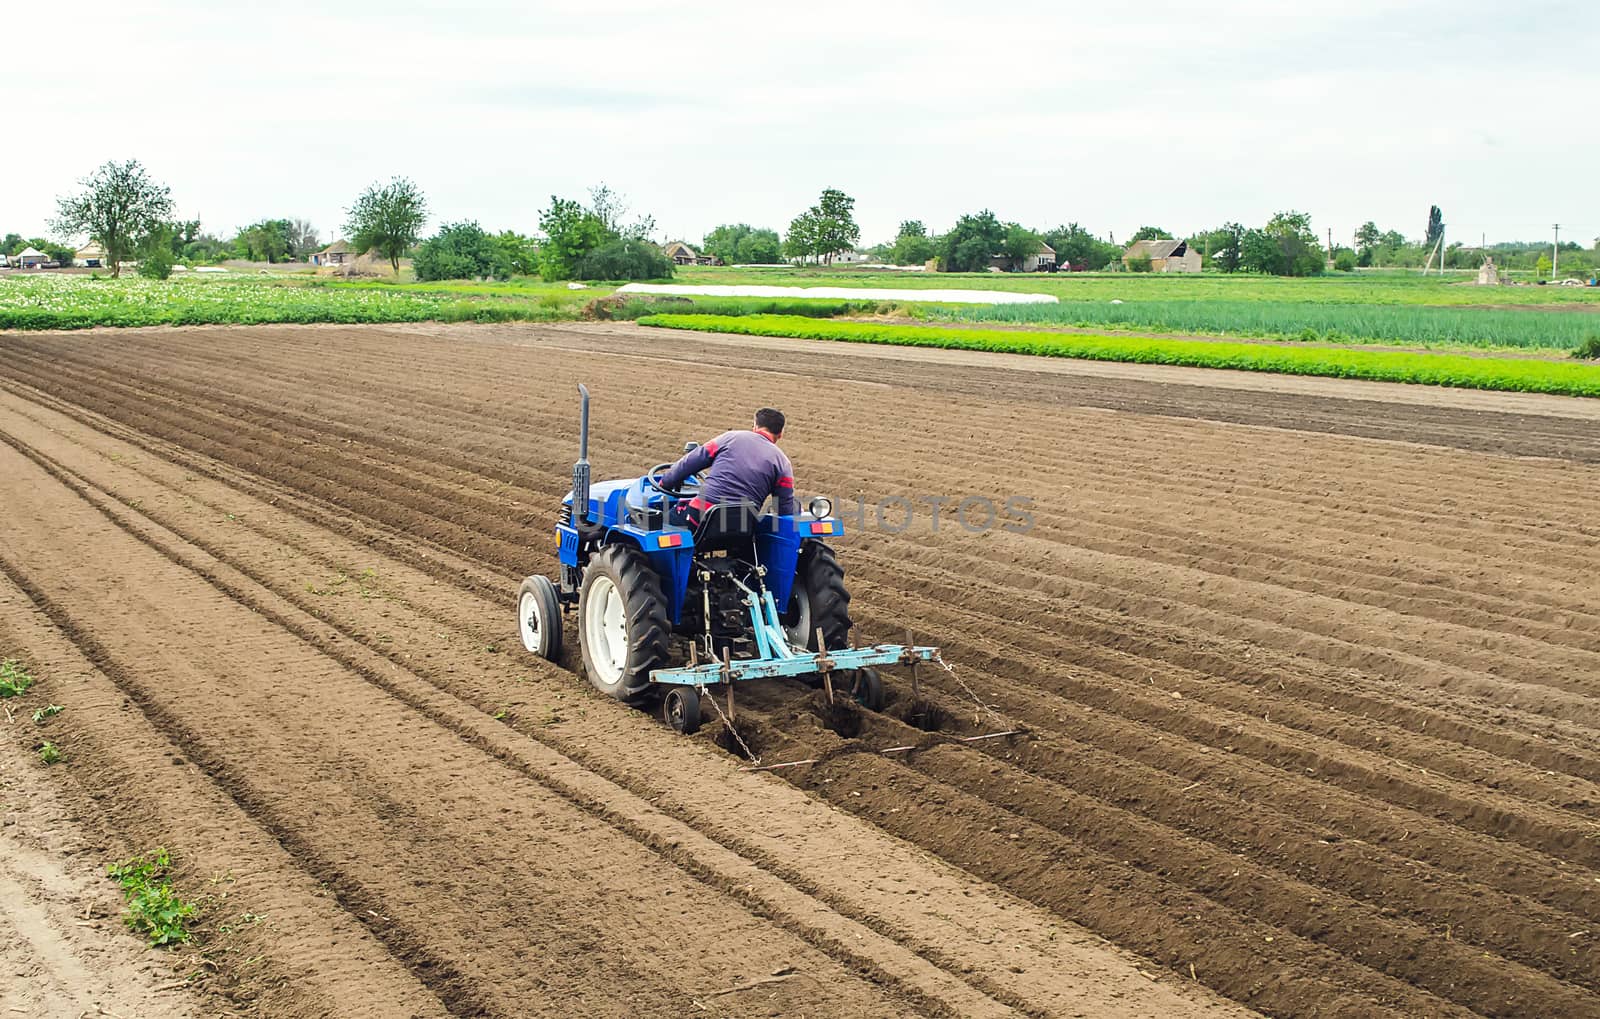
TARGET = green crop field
(1511,374)
(52,301)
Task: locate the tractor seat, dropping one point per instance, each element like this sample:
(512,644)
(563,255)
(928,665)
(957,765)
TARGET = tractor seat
(727,525)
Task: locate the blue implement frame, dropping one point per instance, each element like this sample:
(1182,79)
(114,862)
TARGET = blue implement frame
(776,658)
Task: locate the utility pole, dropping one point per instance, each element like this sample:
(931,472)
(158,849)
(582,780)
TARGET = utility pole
(1555,251)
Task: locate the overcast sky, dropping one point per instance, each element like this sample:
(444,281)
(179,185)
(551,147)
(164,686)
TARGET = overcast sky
(1181,115)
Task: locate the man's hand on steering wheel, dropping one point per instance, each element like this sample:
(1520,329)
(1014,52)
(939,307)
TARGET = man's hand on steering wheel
(653,479)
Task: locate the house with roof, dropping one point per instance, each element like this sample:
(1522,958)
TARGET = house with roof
(337,253)
(1043,260)
(90,256)
(682,254)
(1164,255)
(31,258)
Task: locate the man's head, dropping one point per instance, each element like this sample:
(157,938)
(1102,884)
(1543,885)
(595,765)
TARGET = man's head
(771,422)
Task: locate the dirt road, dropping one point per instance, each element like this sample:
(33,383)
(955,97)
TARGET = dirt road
(1307,672)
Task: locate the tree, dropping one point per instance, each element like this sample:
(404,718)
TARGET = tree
(825,229)
(12,244)
(1542,267)
(518,253)
(303,239)
(571,232)
(1019,243)
(1298,251)
(610,206)
(119,203)
(155,253)
(271,240)
(912,245)
(1227,247)
(836,223)
(736,243)
(625,258)
(801,242)
(61,254)
(1367,240)
(1077,247)
(1435,227)
(972,243)
(1150,233)
(1345,260)
(387,218)
(459,251)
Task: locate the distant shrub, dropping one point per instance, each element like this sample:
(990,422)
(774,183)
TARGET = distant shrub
(1345,260)
(1589,349)
(461,251)
(155,255)
(624,259)
(1139,263)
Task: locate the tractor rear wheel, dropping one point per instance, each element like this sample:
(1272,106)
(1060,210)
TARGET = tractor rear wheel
(819,599)
(622,622)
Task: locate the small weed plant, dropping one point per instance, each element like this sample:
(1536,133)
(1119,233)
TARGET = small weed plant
(49,711)
(154,909)
(49,753)
(14,679)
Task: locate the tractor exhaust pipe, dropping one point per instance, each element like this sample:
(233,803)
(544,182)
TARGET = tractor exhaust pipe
(580,470)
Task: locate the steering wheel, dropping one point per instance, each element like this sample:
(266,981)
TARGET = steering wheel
(653,479)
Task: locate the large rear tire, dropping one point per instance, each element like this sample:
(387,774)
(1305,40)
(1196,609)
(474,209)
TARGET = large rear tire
(819,599)
(622,622)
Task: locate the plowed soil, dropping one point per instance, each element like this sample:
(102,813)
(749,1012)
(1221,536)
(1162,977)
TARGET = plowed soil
(1305,673)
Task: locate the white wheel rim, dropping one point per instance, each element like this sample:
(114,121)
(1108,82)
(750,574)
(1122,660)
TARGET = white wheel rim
(530,622)
(605,630)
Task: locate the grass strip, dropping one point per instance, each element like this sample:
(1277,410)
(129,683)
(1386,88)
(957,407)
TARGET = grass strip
(1511,375)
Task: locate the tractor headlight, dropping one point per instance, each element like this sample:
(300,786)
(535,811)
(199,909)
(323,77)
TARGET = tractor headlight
(821,507)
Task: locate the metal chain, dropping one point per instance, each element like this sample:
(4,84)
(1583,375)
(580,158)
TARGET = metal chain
(970,692)
(731,728)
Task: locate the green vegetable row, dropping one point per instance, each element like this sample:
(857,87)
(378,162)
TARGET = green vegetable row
(1514,375)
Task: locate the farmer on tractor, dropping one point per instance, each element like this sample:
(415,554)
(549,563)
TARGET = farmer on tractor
(737,466)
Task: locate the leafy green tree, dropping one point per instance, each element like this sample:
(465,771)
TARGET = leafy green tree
(155,253)
(61,254)
(825,229)
(736,243)
(120,203)
(1435,227)
(12,244)
(271,241)
(803,239)
(1076,246)
(912,245)
(1259,253)
(387,218)
(1345,260)
(625,258)
(1298,251)
(1020,242)
(1150,233)
(571,232)
(518,253)
(1543,266)
(1367,240)
(972,243)
(459,251)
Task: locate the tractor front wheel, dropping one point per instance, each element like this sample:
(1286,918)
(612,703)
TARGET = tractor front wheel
(622,622)
(539,617)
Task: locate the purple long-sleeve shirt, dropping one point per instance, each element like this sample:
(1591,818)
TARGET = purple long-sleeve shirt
(739,465)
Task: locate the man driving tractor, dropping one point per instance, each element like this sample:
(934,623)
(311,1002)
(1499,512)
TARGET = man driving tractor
(738,466)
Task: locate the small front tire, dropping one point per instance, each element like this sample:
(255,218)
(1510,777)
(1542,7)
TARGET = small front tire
(680,708)
(539,617)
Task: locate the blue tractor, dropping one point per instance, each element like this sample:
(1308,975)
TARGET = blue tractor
(666,611)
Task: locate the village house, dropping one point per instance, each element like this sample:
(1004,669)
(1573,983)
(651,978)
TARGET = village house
(1043,260)
(1164,255)
(31,258)
(90,256)
(682,254)
(337,253)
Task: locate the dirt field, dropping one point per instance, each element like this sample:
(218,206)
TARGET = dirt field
(1307,670)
